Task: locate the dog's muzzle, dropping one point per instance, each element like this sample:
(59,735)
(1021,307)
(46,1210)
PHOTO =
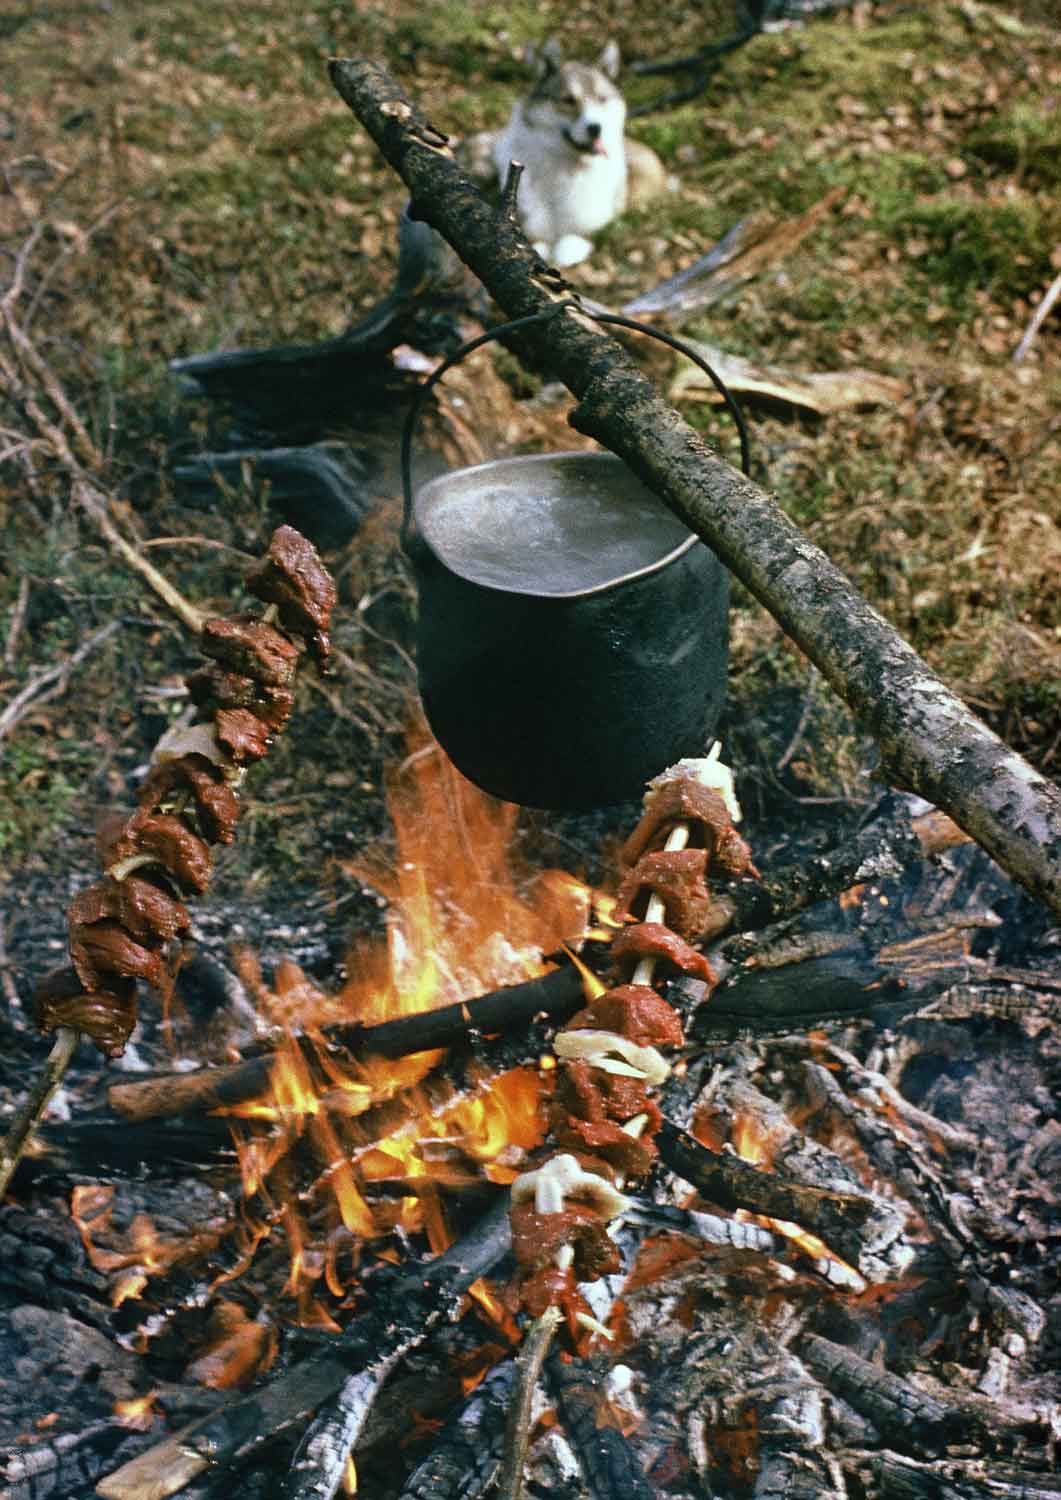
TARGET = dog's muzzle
(591,147)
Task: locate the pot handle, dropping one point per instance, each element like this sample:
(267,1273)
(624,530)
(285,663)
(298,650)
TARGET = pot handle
(617,320)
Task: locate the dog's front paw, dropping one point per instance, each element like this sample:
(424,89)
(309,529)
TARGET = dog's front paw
(570,249)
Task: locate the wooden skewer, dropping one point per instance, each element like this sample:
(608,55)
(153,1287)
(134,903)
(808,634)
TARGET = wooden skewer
(29,1116)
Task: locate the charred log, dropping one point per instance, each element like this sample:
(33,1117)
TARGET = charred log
(556,995)
(420,1297)
(851,1225)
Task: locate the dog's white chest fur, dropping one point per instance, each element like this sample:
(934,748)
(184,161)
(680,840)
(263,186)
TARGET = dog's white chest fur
(569,137)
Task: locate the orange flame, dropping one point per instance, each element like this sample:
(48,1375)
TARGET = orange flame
(460,922)
(754,1144)
(138,1412)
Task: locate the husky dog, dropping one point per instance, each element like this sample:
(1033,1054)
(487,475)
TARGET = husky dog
(568,133)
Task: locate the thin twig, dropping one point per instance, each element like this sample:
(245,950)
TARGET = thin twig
(801,728)
(94,504)
(517,1432)
(1042,312)
(511,189)
(18,615)
(29,1116)
(34,692)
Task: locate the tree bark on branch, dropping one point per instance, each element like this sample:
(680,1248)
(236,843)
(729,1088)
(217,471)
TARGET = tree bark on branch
(930,742)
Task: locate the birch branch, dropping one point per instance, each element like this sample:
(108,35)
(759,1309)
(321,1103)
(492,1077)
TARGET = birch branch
(930,742)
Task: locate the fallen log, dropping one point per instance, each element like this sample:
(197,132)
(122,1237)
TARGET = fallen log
(930,741)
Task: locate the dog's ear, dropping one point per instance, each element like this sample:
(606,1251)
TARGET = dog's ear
(550,57)
(610,60)
(545,59)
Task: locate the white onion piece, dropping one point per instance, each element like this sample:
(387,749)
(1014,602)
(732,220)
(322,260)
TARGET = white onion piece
(597,1047)
(563,1177)
(189,739)
(708,771)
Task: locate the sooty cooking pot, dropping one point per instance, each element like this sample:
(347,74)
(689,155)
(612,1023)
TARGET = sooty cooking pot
(573,634)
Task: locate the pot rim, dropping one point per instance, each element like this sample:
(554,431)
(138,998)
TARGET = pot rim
(528,460)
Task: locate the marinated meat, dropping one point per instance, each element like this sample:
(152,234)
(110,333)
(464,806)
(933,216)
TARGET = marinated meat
(216,804)
(142,908)
(551,1287)
(293,577)
(242,734)
(107,1016)
(587,1093)
(536,1239)
(625,1155)
(101,950)
(653,940)
(634,1011)
(212,688)
(676,876)
(688,799)
(163,837)
(251,648)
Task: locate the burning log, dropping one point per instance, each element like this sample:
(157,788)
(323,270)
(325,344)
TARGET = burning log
(856,1227)
(931,742)
(555,995)
(420,1297)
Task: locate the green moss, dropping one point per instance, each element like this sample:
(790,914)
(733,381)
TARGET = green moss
(1024,139)
(975,244)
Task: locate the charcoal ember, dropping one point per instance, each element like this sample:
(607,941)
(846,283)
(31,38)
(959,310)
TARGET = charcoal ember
(161,836)
(212,688)
(676,876)
(634,1011)
(242,735)
(625,1156)
(536,1238)
(292,577)
(590,1094)
(653,940)
(251,648)
(685,799)
(106,1016)
(216,804)
(101,950)
(143,908)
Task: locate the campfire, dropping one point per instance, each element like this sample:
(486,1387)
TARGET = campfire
(734,1178)
(781,1201)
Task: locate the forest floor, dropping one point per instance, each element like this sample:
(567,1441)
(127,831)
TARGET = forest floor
(177,179)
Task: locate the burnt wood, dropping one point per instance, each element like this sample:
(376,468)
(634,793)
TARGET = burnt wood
(555,995)
(420,1297)
(845,1221)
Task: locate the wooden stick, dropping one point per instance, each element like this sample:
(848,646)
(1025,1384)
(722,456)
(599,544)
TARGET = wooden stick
(17,1138)
(557,995)
(517,1431)
(930,741)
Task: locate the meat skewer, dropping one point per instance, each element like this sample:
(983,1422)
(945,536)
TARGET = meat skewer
(603,1116)
(129,924)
